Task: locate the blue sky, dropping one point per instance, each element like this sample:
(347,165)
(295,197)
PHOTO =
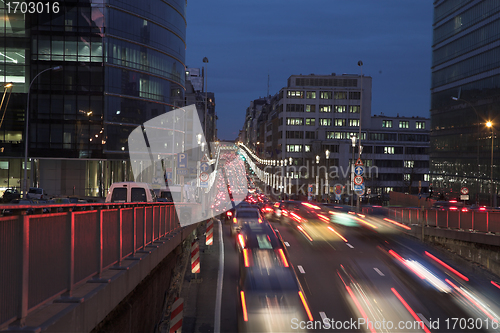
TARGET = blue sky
(245,41)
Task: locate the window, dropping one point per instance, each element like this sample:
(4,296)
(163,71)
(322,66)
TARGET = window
(420,125)
(339,108)
(138,194)
(310,135)
(339,122)
(295,94)
(340,95)
(354,109)
(407,177)
(388,150)
(310,94)
(294,121)
(307,148)
(353,122)
(325,95)
(295,107)
(404,124)
(294,148)
(310,108)
(386,123)
(310,122)
(325,122)
(409,164)
(427,177)
(354,95)
(119,195)
(294,134)
(325,108)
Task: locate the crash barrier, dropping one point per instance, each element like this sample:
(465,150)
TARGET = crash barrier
(43,256)
(487,222)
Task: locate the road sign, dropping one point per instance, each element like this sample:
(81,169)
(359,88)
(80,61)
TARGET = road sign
(359,170)
(338,190)
(168,175)
(204,158)
(360,192)
(359,187)
(337,196)
(464,197)
(310,188)
(204,167)
(464,190)
(204,176)
(183,171)
(204,184)
(181,160)
(358,180)
(359,162)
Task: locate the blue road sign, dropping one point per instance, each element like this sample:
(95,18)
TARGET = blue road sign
(359,187)
(182,160)
(204,184)
(359,170)
(183,171)
(204,167)
(168,175)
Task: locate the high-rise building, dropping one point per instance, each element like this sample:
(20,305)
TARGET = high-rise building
(465,95)
(122,64)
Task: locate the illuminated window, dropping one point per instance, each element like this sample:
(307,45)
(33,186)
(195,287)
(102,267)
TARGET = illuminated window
(294,148)
(388,150)
(310,94)
(409,164)
(353,122)
(339,108)
(420,125)
(427,178)
(310,122)
(406,176)
(339,122)
(325,108)
(325,95)
(307,148)
(387,123)
(295,94)
(404,124)
(310,108)
(354,109)
(325,122)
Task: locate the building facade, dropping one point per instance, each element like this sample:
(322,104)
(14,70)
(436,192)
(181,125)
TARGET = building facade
(319,113)
(122,64)
(465,95)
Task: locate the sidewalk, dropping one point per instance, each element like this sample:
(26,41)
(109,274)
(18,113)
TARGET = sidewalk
(199,292)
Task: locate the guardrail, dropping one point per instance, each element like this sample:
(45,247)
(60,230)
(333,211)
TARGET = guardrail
(487,222)
(45,256)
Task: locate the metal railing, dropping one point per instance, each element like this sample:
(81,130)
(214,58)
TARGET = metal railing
(487,222)
(45,256)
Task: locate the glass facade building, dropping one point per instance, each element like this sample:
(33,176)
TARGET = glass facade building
(123,64)
(465,94)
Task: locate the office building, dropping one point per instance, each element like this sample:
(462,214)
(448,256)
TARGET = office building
(465,95)
(122,64)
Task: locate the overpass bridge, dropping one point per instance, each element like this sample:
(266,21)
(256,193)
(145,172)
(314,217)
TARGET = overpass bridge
(67,270)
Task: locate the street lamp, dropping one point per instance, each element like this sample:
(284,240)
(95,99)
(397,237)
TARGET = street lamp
(490,125)
(360,64)
(353,145)
(5,87)
(478,131)
(327,154)
(205,60)
(26,119)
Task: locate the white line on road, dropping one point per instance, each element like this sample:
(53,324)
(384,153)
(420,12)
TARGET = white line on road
(323,316)
(426,322)
(301,269)
(378,271)
(352,247)
(220,279)
(287,244)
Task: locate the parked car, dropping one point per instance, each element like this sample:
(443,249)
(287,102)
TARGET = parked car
(37,193)
(10,194)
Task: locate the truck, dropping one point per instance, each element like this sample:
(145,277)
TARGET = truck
(131,192)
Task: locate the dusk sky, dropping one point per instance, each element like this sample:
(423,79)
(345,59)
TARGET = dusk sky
(247,40)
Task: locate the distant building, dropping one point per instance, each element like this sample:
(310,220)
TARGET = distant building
(316,113)
(465,94)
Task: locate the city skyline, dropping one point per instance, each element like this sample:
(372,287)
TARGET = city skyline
(247,42)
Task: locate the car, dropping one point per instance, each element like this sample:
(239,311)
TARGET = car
(245,215)
(449,205)
(21,202)
(131,192)
(10,194)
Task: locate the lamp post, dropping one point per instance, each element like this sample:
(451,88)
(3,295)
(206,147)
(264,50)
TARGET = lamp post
(290,160)
(490,125)
(353,145)
(5,87)
(360,64)
(205,60)
(478,131)
(26,120)
(327,190)
(317,178)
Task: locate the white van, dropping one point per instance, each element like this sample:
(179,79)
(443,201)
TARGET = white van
(131,192)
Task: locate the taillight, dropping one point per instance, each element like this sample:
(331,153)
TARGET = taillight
(245,257)
(482,208)
(241,240)
(229,213)
(260,220)
(453,208)
(235,220)
(465,209)
(302,298)
(283,258)
(244,305)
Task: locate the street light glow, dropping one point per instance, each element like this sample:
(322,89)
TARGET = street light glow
(489,124)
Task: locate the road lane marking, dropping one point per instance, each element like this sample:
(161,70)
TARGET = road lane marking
(323,316)
(287,244)
(426,322)
(301,269)
(220,279)
(352,247)
(378,271)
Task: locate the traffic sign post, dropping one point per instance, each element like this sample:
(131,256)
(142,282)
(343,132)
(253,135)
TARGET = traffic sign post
(358,180)
(182,160)
(359,170)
